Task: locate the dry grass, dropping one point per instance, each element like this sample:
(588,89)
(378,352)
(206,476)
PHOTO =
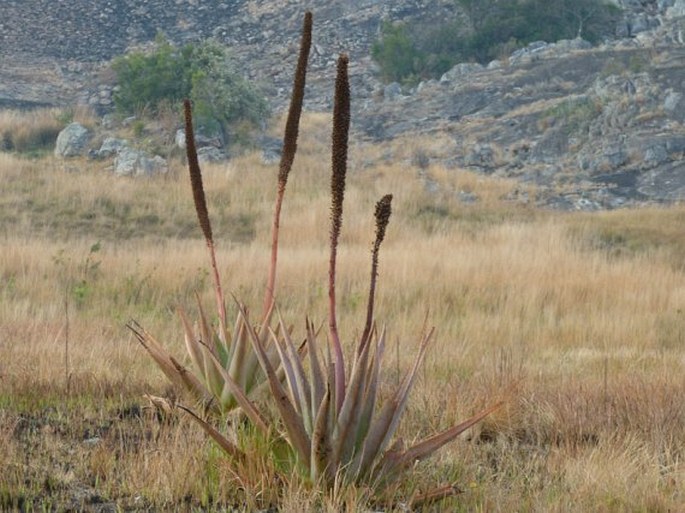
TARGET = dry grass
(35,132)
(576,318)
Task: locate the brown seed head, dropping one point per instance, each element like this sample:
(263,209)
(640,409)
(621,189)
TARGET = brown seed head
(382,215)
(295,111)
(196,175)
(341,128)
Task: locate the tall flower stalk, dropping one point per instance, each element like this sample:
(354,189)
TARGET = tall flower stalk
(292,126)
(341,128)
(201,206)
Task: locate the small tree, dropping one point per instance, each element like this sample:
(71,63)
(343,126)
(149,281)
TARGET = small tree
(145,79)
(221,96)
(396,53)
(203,72)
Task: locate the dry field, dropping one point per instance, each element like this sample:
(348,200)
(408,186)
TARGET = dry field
(577,320)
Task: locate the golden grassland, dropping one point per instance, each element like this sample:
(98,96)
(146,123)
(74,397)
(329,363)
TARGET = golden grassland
(576,319)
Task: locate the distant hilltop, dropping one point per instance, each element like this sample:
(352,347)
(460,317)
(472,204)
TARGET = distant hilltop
(593,127)
(49,49)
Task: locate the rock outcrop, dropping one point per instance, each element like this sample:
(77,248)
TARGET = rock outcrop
(132,162)
(72,141)
(604,122)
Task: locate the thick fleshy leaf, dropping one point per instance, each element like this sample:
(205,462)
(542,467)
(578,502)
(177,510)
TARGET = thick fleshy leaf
(167,364)
(402,394)
(317,382)
(321,446)
(193,348)
(293,423)
(289,368)
(191,383)
(428,446)
(248,406)
(301,382)
(226,445)
(352,407)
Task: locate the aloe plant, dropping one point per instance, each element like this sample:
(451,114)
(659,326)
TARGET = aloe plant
(225,369)
(338,429)
(330,412)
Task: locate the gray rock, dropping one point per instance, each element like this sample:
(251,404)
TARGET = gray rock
(641,23)
(111,146)
(180,138)
(460,70)
(587,205)
(568,45)
(665,183)
(526,54)
(201,139)
(272,148)
(662,5)
(674,105)
(131,162)
(72,141)
(210,154)
(481,155)
(392,91)
(678,9)
(467,197)
(108,121)
(657,154)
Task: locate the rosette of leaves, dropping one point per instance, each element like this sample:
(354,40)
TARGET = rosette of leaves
(225,369)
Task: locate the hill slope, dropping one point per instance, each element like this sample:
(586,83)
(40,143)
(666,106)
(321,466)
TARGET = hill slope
(595,127)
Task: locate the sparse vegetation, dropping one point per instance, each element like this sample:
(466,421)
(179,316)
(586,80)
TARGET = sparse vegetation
(487,30)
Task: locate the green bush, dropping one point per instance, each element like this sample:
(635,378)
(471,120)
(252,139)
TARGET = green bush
(488,30)
(396,53)
(203,72)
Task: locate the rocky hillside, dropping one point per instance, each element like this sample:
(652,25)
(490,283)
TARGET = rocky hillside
(595,127)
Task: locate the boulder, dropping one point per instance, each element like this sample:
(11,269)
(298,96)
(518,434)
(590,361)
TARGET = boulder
(72,141)
(392,91)
(678,8)
(180,138)
(272,148)
(210,154)
(460,70)
(111,146)
(201,140)
(131,162)
(480,155)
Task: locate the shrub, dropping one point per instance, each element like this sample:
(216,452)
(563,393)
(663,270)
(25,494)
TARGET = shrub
(202,72)
(396,53)
(491,29)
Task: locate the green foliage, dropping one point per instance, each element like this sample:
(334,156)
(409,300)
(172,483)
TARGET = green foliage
(220,95)
(492,29)
(146,78)
(396,53)
(203,72)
